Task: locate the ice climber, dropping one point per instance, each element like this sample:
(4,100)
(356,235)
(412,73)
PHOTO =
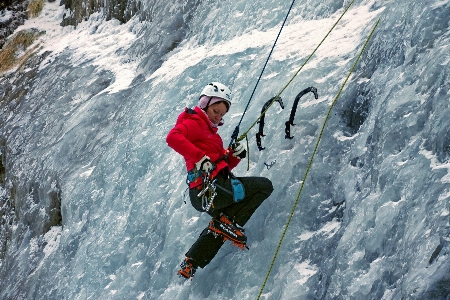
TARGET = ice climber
(234,199)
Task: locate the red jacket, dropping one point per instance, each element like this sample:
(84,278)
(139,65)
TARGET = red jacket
(194,137)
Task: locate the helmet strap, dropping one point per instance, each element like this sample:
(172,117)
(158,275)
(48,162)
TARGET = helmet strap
(207,104)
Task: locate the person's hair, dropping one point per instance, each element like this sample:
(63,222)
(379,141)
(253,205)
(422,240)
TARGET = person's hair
(227,104)
(206,101)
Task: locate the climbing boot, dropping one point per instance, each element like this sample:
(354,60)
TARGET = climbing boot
(187,268)
(229,231)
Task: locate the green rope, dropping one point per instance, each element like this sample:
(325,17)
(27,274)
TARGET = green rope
(296,73)
(312,157)
(248,155)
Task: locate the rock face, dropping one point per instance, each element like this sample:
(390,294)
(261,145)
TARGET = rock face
(12,15)
(80,10)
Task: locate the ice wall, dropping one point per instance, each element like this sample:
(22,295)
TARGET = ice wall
(92,197)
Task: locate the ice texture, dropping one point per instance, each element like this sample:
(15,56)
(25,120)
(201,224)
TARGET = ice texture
(83,128)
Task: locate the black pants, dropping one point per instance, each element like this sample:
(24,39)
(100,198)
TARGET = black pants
(257,189)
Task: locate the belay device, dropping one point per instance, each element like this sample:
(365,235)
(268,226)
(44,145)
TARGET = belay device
(294,108)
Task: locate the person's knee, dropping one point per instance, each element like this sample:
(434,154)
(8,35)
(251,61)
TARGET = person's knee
(268,186)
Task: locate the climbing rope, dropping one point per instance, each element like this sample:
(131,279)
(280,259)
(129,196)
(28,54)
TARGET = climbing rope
(312,157)
(236,131)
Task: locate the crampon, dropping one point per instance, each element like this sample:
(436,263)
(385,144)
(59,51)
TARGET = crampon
(229,231)
(187,269)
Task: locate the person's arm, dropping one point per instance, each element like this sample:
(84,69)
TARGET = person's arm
(237,152)
(180,137)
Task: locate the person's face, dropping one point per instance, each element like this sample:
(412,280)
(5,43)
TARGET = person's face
(216,111)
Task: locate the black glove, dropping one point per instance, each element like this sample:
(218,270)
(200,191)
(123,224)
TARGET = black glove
(239,150)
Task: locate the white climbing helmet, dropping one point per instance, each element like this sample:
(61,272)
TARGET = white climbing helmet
(217,89)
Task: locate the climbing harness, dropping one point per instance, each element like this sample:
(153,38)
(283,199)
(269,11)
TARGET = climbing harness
(236,130)
(261,120)
(312,157)
(208,187)
(193,175)
(288,124)
(208,192)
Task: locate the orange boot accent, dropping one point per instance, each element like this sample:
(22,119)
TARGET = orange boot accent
(187,269)
(229,231)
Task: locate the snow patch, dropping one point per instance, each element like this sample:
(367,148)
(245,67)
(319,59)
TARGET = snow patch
(5,15)
(99,46)
(329,230)
(52,238)
(435,164)
(297,41)
(88,172)
(305,270)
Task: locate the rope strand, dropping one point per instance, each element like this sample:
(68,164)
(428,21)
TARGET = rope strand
(289,82)
(312,157)
(236,130)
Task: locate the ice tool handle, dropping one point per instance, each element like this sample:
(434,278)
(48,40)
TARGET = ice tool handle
(290,122)
(262,117)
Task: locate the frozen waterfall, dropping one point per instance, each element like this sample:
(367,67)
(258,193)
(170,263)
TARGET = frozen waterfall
(91,196)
